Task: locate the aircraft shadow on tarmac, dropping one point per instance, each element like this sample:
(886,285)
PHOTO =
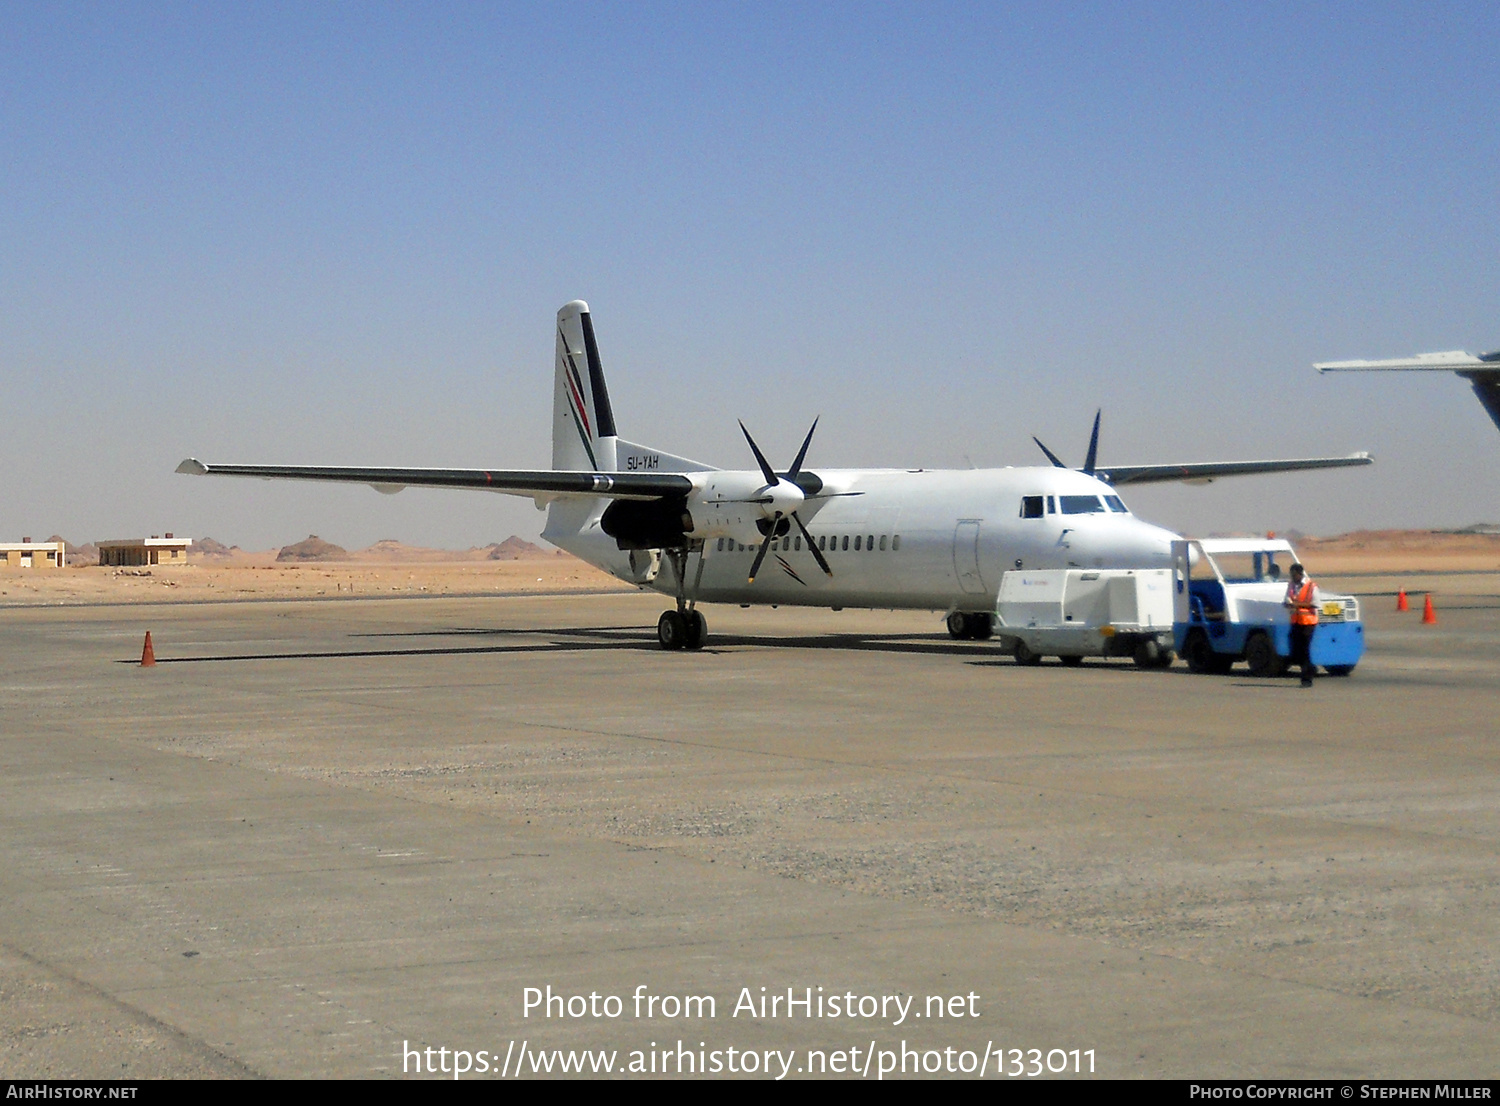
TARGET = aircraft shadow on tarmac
(622,638)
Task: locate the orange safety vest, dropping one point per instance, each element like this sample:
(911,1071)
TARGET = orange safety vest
(1303,616)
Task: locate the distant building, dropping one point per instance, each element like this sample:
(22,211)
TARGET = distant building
(136,552)
(31,554)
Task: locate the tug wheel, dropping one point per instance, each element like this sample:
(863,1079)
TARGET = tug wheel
(1199,654)
(1260,656)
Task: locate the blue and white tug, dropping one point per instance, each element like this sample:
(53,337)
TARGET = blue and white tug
(1228,598)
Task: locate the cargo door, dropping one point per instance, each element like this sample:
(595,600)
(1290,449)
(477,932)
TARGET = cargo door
(966,557)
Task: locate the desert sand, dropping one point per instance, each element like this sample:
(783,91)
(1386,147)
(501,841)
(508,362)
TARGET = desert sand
(1415,559)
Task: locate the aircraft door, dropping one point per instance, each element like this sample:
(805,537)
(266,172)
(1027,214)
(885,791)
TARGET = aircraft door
(966,557)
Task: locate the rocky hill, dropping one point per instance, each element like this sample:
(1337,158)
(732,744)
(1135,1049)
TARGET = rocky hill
(313,549)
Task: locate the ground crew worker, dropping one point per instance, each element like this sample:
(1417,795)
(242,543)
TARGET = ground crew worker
(1299,599)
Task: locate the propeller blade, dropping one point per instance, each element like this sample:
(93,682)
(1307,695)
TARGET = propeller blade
(1050,455)
(812,546)
(1088,462)
(765,467)
(802,453)
(761,556)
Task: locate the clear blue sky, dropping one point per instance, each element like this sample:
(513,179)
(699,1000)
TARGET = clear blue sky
(338,234)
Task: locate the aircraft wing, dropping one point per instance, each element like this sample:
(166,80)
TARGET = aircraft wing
(1208,471)
(540,484)
(1453,360)
(1482,370)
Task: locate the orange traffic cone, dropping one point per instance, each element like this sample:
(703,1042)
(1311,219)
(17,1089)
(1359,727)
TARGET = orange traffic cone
(1401,604)
(148,655)
(1428,614)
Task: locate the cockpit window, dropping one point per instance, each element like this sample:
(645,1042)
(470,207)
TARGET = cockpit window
(1031,506)
(1081,504)
(1117,504)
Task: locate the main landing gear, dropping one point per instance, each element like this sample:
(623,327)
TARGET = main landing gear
(967,626)
(684,628)
(681,629)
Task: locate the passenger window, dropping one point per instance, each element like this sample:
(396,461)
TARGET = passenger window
(869,543)
(882,543)
(721,545)
(846,543)
(1031,506)
(797,544)
(895,543)
(1081,504)
(856,543)
(822,541)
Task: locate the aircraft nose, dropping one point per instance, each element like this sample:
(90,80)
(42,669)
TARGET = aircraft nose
(1154,545)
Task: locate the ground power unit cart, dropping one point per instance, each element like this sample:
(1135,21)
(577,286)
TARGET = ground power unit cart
(1075,613)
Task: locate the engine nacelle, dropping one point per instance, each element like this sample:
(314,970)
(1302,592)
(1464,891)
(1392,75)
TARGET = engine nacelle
(648,524)
(740,506)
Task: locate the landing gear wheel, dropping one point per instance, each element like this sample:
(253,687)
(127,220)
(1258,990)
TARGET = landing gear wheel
(1024,655)
(1147,654)
(1260,656)
(1200,655)
(671,630)
(981,626)
(1071,661)
(959,627)
(697,629)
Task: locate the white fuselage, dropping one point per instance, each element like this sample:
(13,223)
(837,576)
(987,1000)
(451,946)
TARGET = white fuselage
(941,538)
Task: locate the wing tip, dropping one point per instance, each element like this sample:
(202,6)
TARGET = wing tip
(191,466)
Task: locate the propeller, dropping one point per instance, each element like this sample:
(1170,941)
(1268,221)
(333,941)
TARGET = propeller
(783,495)
(1093,454)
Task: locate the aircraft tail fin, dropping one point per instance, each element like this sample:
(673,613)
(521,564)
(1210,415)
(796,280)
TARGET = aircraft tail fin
(583,422)
(584,438)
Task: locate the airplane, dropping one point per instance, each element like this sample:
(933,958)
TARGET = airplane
(913,538)
(1481,369)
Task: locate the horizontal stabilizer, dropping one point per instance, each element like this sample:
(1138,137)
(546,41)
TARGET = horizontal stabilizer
(592,485)
(1204,472)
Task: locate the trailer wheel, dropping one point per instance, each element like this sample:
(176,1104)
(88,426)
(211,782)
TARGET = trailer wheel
(1339,669)
(1147,654)
(959,626)
(1260,656)
(1024,655)
(1199,654)
(981,626)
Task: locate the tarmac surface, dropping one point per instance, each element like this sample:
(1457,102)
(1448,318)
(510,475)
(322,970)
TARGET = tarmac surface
(319,833)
